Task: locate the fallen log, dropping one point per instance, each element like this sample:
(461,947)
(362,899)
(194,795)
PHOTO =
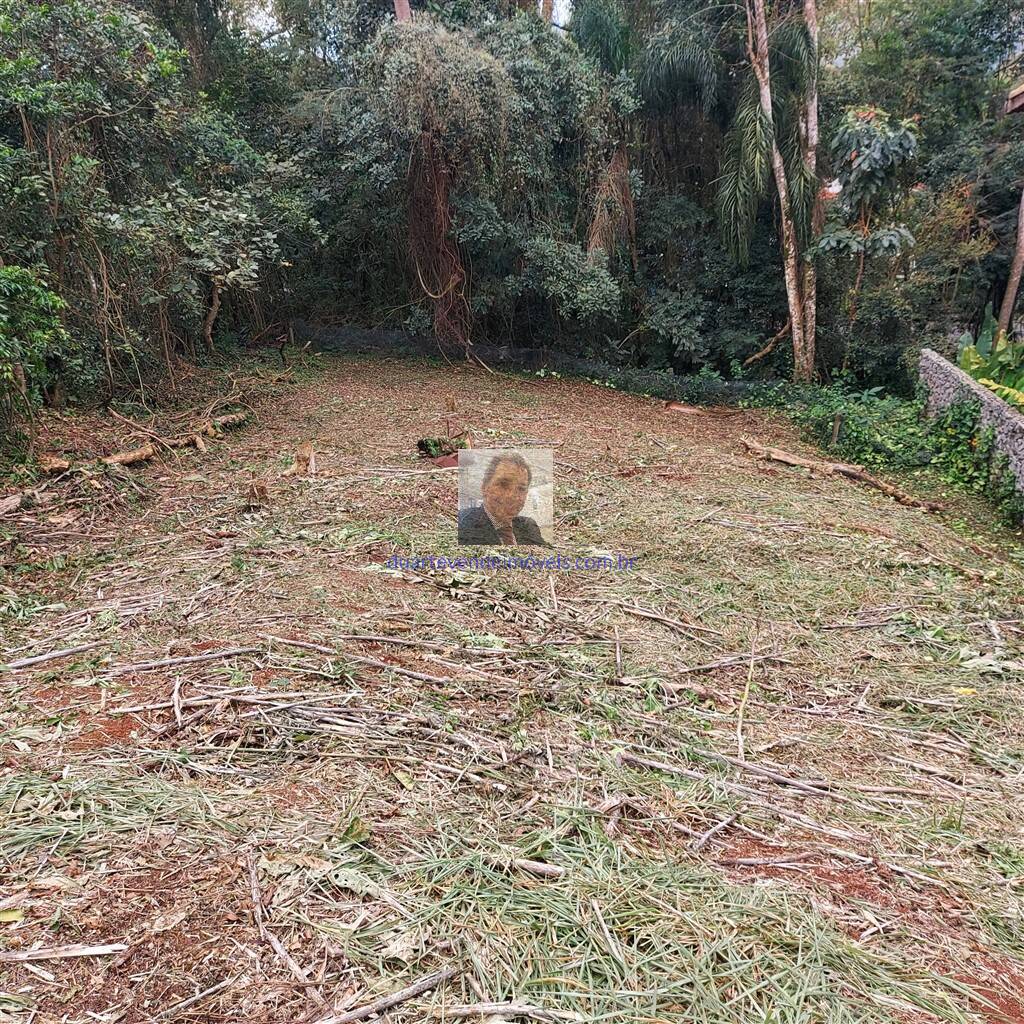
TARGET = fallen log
(702,410)
(12,502)
(28,498)
(846,469)
(50,463)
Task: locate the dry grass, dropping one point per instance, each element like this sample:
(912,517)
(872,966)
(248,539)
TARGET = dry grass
(772,774)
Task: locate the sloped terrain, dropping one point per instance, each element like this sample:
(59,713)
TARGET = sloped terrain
(771,773)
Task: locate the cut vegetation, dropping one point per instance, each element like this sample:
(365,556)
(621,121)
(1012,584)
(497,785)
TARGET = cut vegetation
(773,773)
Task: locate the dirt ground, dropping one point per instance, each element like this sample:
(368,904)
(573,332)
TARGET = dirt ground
(773,772)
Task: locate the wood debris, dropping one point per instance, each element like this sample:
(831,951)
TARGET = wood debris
(52,463)
(841,469)
(304,463)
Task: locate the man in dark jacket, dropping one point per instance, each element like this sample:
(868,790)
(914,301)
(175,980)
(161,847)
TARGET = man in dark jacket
(497,521)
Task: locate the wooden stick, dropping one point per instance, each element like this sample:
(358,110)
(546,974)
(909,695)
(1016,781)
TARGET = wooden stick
(60,952)
(176,1008)
(38,659)
(488,1010)
(191,659)
(733,659)
(765,862)
(539,867)
(841,469)
(403,995)
(358,658)
(645,613)
(742,709)
(804,785)
(778,778)
(721,826)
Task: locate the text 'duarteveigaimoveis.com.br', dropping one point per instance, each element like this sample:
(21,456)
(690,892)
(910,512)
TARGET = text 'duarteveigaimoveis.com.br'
(563,563)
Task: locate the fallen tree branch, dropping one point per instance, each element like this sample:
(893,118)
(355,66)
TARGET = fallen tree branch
(60,952)
(175,1008)
(190,659)
(193,439)
(403,995)
(37,659)
(841,469)
(12,502)
(27,498)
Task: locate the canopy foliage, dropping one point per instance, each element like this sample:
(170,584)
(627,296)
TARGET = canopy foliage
(183,174)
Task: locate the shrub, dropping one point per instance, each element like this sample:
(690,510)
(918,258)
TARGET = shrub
(31,340)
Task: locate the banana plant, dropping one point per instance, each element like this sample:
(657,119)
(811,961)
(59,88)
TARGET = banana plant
(1013,395)
(994,360)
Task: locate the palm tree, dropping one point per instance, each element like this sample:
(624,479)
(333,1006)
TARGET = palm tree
(775,134)
(669,60)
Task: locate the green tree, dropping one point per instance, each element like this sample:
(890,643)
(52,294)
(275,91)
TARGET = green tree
(775,136)
(30,335)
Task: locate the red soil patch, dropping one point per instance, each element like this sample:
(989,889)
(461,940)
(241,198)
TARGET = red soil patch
(1005,1010)
(1006,1006)
(108,730)
(856,883)
(998,982)
(929,913)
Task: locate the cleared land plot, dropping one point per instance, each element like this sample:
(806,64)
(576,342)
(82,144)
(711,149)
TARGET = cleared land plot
(772,773)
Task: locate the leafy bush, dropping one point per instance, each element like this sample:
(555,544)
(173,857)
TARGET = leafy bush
(30,335)
(870,428)
(579,285)
(994,361)
(885,433)
(677,321)
(148,203)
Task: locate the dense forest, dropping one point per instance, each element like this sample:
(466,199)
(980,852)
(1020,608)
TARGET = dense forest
(784,189)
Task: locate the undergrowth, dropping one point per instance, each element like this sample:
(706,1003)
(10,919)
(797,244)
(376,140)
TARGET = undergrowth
(882,432)
(888,433)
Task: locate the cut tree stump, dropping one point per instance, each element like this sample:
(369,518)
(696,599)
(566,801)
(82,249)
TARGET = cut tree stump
(304,463)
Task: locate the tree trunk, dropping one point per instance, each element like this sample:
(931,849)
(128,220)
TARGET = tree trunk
(20,380)
(547,10)
(211,316)
(757,48)
(1016,267)
(615,211)
(810,282)
(402,12)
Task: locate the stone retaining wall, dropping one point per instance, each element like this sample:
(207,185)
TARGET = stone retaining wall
(948,384)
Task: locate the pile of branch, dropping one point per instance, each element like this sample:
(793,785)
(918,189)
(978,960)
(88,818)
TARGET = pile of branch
(841,469)
(194,439)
